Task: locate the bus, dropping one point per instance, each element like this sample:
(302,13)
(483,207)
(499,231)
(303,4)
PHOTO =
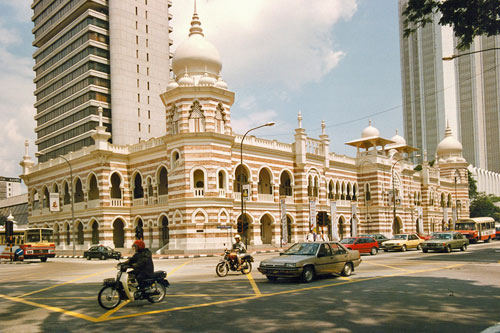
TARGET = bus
(29,243)
(477,228)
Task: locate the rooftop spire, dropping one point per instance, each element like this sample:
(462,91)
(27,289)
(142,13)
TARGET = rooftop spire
(195,24)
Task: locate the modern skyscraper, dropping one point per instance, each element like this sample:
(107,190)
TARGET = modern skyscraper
(91,53)
(464,92)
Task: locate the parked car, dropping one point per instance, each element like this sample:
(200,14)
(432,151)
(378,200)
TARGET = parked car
(403,242)
(362,244)
(424,237)
(306,260)
(102,252)
(445,241)
(378,237)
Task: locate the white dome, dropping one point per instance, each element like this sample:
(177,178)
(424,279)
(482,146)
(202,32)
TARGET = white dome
(196,55)
(449,146)
(186,80)
(206,80)
(370,131)
(172,84)
(221,83)
(398,139)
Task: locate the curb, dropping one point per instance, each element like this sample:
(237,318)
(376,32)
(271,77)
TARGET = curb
(186,256)
(13,262)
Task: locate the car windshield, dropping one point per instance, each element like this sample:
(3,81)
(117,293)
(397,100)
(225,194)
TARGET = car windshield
(348,241)
(441,236)
(403,237)
(303,249)
(464,226)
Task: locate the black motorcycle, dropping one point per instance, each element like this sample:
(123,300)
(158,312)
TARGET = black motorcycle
(229,262)
(125,287)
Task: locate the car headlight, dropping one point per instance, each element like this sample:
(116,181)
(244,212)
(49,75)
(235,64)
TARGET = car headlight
(290,264)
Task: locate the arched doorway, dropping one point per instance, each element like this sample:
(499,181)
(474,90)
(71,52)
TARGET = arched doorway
(266,231)
(95,232)
(341,227)
(396,226)
(165,231)
(79,234)
(118,233)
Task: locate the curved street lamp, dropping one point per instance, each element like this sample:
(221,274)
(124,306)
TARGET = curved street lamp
(71,197)
(271,123)
(468,53)
(393,186)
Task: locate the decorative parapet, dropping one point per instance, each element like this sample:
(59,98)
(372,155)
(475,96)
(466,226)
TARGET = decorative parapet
(264,143)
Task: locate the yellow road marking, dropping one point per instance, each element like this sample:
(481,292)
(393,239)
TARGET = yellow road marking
(345,278)
(58,298)
(51,308)
(179,267)
(110,312)
(67,282)
(253,284)
(400,269)
(101,319)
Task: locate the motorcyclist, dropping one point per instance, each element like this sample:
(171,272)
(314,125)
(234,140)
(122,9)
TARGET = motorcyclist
(239,248)
(142,263)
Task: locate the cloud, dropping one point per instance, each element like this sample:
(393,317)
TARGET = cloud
(21,8)
(258,39)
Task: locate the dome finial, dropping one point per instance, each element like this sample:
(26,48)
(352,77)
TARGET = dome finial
(299,118)
(195,24)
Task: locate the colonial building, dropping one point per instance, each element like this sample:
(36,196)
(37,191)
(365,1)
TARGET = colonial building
(185,189)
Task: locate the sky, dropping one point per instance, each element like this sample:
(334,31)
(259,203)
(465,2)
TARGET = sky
(331,60)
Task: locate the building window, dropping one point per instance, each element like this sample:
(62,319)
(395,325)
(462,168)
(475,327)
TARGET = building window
(139,126)
(136,11)
(137,83)
(137,68)
(139,98)
(149,114)
(148,99)
(147,56)
(138,112)
(147,29)
(147,71)
(148,85)
(147,42)
(137,40)
(137,54)
(149,128)
(146,14)
(136,25)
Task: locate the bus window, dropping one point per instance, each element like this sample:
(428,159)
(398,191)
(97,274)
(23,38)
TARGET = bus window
(33,236)
(47,235)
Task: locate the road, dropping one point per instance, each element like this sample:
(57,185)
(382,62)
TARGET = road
(389,292)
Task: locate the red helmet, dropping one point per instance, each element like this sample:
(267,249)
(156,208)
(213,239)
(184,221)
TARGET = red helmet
(140,244)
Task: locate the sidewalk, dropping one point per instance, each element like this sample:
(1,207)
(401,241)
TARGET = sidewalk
(127,253)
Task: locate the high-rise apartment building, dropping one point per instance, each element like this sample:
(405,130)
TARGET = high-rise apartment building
(464,92)
(113,54)
(10,187)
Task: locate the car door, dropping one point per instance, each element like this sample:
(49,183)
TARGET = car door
(412,241)
(339,258)
(324,260)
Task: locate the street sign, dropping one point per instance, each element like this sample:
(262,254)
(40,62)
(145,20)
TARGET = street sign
(223,227)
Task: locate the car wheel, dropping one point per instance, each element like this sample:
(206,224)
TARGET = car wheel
(425,250)
(102,257)
(448,249)
(88,257)
(307,274)
(347,269)
(403,248)
(463,248)
(419,247)
(271,278)
(374,251)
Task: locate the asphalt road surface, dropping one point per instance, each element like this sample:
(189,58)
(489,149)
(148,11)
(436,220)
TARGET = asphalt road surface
(389,292)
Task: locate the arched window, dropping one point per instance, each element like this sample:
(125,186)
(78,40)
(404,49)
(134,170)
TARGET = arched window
(265,185)
(67,194)
(285,184)
(196,118)
(93,190)
(219,119)
(35,202)
(241,178)
(331,187)
(138,190)
(162,181)
(199,182)
(79,234)
(368,192)
(95,232)
(46,199)
(78,191)
(116,191)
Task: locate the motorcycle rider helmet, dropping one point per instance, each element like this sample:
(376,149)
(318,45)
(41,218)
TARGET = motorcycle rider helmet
(140,244)
(237,238)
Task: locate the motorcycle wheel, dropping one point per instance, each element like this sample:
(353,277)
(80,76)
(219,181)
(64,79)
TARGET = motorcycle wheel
(246,267)
(160,292)
(221,269)
(109,298)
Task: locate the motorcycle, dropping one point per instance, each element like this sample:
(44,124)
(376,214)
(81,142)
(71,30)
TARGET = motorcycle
(125,287)
(230,262)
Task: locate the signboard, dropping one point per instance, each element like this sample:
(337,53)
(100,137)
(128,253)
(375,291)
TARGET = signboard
(11,180)
(246,191)
(333,214)
(54,202)
(284,224)
(312,215)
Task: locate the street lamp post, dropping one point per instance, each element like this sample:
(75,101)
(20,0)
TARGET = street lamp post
(72,201)
(241,173)
(468,53)
(394,188)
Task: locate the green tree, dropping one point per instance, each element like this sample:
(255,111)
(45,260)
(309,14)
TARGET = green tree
(469,18)
(483,206)
(472,186)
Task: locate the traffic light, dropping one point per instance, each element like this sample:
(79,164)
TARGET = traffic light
(9,231)
(320,219)
(240,226)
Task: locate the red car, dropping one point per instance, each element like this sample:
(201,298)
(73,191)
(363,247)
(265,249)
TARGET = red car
(362,244)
